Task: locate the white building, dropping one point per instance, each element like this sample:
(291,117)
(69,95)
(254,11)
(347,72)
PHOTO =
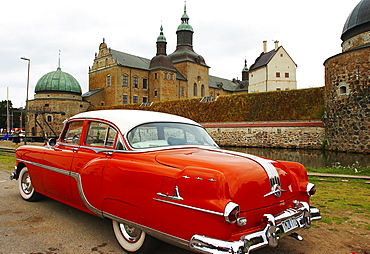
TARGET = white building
(273,70)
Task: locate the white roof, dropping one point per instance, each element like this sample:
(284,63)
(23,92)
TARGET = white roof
(125,119)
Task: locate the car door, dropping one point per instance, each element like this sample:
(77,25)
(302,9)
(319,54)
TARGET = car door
(57,162)
(89,161)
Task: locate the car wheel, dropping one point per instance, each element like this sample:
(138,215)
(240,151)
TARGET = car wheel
(132,239)
(26,189)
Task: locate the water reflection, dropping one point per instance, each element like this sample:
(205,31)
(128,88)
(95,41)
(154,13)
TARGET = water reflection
(309,158)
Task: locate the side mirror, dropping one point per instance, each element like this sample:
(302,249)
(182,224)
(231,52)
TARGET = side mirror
(52,142)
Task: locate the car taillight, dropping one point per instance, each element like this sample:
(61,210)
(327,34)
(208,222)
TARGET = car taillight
(311,189)
(231,212)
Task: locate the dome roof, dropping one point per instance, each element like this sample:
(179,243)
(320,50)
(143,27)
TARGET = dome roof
(58,81)
(184,26)
(358,21)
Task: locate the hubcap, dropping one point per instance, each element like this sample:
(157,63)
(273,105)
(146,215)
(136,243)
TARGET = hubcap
(132,234)
(26,183)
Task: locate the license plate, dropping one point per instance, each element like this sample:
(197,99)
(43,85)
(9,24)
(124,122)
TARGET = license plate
(289,224)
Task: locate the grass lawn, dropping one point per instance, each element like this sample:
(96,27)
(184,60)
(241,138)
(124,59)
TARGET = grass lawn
(344,204)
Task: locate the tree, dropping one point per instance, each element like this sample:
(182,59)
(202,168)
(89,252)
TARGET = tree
(14,115)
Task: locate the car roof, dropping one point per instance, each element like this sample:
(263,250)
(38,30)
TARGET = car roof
(125,119)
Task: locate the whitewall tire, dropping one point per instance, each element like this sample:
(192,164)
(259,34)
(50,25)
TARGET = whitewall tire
(25,186)
(132,239)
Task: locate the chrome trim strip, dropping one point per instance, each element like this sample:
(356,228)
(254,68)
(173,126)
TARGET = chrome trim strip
(57,170)
(190,207)
(74,175)
(176,196)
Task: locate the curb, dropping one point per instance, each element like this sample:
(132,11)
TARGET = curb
(339,176)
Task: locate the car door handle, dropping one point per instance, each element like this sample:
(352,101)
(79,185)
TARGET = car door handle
(108,153)
(74,149)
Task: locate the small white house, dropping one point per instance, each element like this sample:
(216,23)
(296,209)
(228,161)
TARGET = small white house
(273,70)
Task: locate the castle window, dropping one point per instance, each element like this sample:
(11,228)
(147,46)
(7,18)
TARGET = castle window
(155,75)
(46,105)
(136,81)
(135,99)
(281,55)
(343,90)
(202,91)
(124,99)
(108,80)
(155,93)
(125,80)
(102,103)
(145,99)
(195,92)
(49,118)
(165,75)
(145,83)
(171,76)
(182,91)
(287,74)
(278,74)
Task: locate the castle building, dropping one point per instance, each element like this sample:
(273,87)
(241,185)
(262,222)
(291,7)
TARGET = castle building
(273,70)
(117,78)
(347,88)
(57,97)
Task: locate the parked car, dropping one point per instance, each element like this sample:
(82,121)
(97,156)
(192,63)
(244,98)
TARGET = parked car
(161,177)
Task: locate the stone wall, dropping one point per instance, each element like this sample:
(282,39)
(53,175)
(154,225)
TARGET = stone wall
(347,101)
(285,134)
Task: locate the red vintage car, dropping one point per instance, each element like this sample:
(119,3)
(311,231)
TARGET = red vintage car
(161,177)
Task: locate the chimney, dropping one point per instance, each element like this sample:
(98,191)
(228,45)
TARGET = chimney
(264,46)
(276,45)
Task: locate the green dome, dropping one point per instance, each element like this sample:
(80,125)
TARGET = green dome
(184,26)
(161,37)
(58,81)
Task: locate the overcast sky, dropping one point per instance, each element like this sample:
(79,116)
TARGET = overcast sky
(225,34)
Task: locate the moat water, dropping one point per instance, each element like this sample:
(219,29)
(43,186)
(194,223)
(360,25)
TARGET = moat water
(309,158)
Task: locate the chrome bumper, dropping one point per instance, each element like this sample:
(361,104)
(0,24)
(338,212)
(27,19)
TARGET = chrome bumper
(14,175)
(301,215)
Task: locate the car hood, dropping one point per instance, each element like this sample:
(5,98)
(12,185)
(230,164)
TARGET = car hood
(250,178)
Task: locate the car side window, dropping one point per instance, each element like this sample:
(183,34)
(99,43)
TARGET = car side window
(100,134)
(73,133)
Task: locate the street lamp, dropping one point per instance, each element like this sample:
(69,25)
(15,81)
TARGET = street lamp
(26,108)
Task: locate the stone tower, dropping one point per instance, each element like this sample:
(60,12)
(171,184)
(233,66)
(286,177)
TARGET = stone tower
(347,87)
(57,97)
(162,74)
(189,63)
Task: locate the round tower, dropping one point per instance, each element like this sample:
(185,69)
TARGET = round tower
(347,89)
(57,97)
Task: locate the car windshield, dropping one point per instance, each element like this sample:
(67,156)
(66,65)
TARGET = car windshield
(168,134)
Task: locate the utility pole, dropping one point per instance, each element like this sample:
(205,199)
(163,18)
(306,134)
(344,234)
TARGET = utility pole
(7,111)
(26,107)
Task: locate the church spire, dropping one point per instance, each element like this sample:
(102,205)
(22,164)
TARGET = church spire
(59,60)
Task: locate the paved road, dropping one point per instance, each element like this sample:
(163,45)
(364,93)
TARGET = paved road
(49,227)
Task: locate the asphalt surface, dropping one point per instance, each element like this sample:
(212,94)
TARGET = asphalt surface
(48,226)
